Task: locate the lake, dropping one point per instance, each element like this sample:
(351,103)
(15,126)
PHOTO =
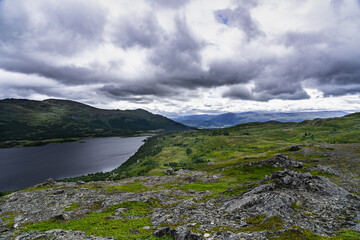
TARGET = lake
(24,167)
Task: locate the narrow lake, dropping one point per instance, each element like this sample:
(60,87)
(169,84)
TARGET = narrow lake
(24,167)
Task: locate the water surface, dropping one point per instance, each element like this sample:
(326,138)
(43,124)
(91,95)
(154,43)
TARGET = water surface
(23,167)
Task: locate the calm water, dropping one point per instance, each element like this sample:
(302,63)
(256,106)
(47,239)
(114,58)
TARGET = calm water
(23,167)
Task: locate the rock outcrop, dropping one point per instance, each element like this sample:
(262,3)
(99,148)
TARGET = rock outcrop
(268,207)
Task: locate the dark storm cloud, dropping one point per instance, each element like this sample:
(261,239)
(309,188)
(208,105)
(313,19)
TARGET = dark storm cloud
(138,89)
(66,74)
(143,31)
(37,38)
(62,28)
(169,3)
(262,93)
(240,17)
(324,61)
(179,54)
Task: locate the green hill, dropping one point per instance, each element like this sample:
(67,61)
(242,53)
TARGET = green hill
(22,119)
(212,150)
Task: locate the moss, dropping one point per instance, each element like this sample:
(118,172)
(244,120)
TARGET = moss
(296,205)
(72,206)
(200,186)
(97,205)
(135,187)
(310,214)
(8,218)
(38,188)
(248,173)
(100,223)
(297,234)
(261,223)
(224,229)
(347,234)
(322,174)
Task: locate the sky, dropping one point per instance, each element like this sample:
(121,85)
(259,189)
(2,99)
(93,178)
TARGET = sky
(179,57)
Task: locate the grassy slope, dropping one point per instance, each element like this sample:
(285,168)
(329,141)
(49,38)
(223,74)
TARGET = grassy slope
(58,119)
(258,141)
(229,147)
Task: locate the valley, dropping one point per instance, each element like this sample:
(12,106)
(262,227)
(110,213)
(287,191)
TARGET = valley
(250,181)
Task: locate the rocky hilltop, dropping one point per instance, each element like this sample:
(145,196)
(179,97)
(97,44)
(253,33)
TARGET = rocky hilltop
(291,203)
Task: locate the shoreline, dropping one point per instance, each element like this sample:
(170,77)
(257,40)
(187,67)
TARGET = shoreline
(44,142)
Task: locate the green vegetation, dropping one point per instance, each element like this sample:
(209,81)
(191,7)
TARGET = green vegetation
(223,152)
(129,226)
(217,149)
(133,187)
(298,234)
(5,193)
(261,223)
(35,123)
(348,234)
(8,218)
(138,164)
(72,206)
(36,188)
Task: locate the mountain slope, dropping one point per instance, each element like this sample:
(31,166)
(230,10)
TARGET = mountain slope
(22,119)
(232,119)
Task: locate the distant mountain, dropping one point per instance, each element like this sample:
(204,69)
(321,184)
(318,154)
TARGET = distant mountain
(22,119)
(232,119)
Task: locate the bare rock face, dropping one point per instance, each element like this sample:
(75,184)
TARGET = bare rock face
(58,234)
(290,197)
(300,199)
(280,160)
(179,233)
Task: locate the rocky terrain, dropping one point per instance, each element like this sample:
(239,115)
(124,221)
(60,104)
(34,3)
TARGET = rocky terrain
(291,203)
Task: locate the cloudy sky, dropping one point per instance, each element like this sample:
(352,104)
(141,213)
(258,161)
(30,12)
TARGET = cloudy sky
(183,56)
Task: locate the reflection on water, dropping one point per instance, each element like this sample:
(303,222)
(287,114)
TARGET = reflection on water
(23,167)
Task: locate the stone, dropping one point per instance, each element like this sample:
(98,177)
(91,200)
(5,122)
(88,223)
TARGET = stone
(61,217)
(120,211)
(294,148)
(280,160)
(170,171)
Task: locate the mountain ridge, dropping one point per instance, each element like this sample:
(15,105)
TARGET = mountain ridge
(23,119)
(230,119)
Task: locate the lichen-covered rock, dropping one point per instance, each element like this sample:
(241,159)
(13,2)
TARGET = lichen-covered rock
(287,198)
(280,160)
(180,233)
(58,234)
(299,199)
(170,171)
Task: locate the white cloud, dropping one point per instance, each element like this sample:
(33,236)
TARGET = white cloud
(183,56)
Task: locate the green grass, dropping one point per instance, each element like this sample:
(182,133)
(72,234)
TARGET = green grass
(36,188)
(72,206)
(298,234)
(99,223)
(135,187)
(201,186)
(229,147)
(348,234)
